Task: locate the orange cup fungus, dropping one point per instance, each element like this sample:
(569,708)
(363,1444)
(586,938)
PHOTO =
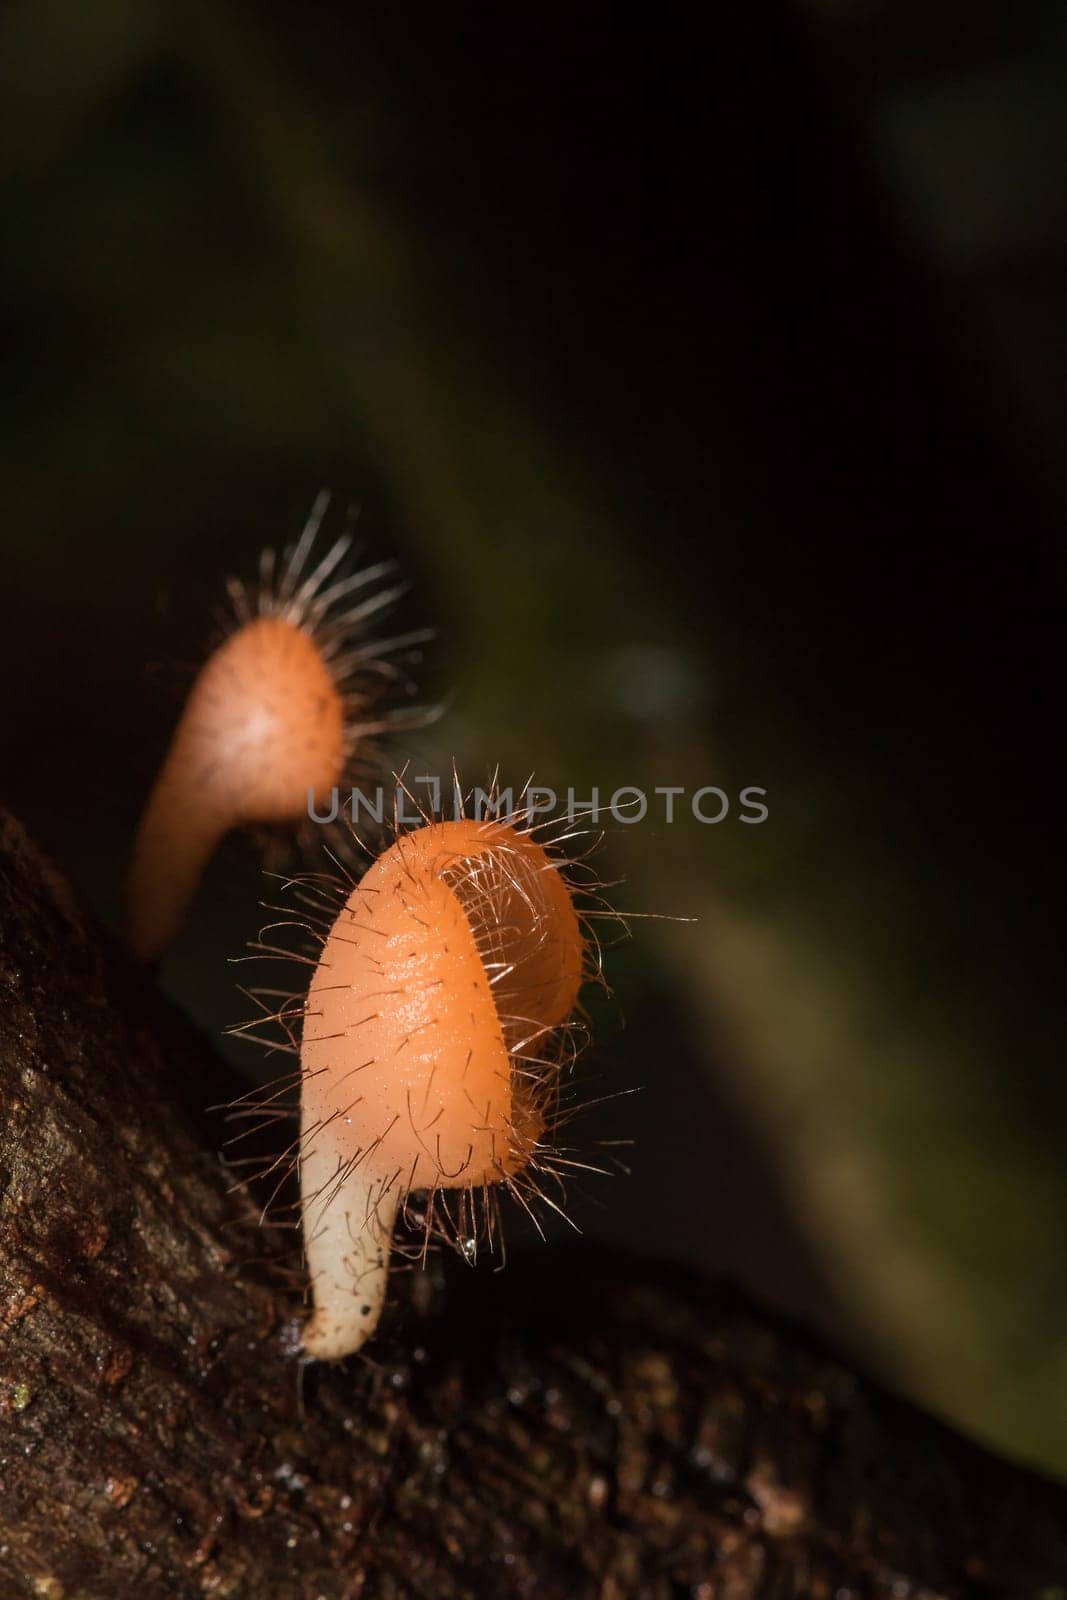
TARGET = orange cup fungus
(433,1041)
(270,726)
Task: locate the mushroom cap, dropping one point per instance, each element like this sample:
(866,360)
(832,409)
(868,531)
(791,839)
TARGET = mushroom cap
(522,910)
(458,954)
(264,724)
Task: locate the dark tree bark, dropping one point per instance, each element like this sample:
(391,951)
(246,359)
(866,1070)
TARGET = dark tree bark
(578,1427)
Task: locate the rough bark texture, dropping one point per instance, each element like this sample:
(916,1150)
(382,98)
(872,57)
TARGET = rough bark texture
(578,1427)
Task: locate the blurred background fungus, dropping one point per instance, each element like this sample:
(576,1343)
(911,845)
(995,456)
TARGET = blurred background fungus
(709,383)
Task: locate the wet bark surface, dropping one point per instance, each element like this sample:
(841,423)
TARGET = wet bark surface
(578,1426)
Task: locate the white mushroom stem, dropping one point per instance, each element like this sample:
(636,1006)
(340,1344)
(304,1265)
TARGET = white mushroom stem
(348,1233)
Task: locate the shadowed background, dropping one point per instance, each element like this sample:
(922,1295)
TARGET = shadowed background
(710,391)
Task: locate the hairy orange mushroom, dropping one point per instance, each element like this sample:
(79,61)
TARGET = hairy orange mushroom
(270,725)
(431,1049)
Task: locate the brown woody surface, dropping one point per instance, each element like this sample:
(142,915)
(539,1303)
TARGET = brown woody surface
(575,1427)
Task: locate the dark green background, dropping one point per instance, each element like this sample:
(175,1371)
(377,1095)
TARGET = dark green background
(709,385)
